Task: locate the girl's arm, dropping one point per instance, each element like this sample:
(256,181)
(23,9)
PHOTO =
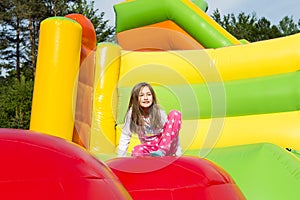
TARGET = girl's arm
(125,137)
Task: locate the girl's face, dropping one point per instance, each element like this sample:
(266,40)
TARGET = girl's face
(145,97)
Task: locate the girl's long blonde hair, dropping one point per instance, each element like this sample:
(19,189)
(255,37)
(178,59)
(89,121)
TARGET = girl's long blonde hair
(137,122)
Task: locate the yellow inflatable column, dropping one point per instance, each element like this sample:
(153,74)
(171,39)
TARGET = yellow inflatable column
(103,134)
(56,77)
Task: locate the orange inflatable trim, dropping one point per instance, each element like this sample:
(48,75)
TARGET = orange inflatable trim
(162,36)
(84,103)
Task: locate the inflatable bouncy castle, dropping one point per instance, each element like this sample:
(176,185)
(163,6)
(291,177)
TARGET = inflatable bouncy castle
(239,102)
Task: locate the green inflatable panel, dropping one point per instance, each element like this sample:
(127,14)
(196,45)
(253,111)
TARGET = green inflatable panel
(139,13)
(262,171)
(269,94)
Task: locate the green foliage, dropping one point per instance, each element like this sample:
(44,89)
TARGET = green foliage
(288,27)
(57,7)
(15,106)
(249,27)
(14,34)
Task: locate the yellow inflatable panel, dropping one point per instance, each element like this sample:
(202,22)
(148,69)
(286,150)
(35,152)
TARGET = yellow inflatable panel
(103,135)
(264,58)
(278,128)
(167,67)
(251,60)
(55,88)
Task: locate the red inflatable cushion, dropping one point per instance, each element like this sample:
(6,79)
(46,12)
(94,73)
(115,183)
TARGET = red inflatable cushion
(39,166)
(174,178)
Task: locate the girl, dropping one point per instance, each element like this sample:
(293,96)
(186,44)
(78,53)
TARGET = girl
(157,133)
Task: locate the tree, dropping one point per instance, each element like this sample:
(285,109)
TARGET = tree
(249,27)
(20,21)
(14,32)
(59,7)
(263,30)
(241,26)
(288,27)
(15,104)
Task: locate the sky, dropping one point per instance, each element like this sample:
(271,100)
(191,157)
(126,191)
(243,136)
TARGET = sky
(273,10)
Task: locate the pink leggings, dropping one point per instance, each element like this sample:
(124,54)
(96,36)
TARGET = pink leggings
(167,141)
